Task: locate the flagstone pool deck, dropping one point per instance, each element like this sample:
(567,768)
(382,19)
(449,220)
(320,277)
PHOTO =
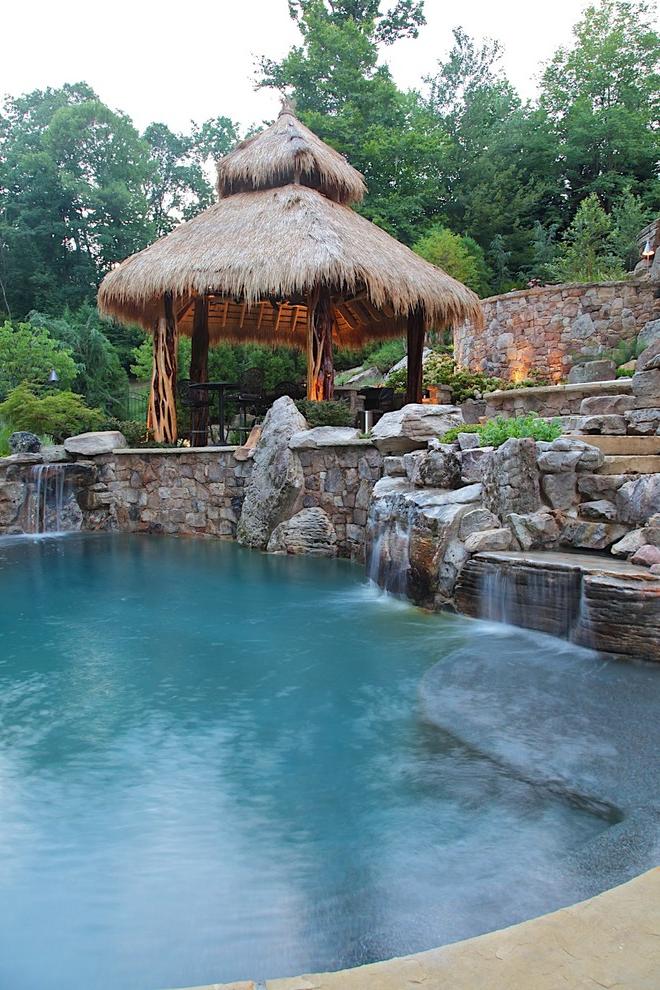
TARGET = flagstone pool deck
(612,940)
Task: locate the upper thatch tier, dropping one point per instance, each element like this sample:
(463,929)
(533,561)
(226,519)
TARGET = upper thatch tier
(286,152)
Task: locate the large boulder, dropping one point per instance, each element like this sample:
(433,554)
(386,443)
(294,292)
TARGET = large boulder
(511,479)
(309,532)
(489,539)
(639,499)
(646,387)
(402,365)
(474,463)
(23,442)
(275,490)
(560,490)
(93,444)
(411,427)
(592,371)
(643,422)
(585,535)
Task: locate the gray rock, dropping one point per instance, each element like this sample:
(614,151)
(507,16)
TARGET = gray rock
(652,530)
(489,539)
(602,508)
(93,444)
(649,359)
(629,544)
(473,463)
(394,467)
(592,371)
(606,405)
(413,426)
(55,454)
(274,492)
(639,499)
(646,387)
(647,555)
(643,422)
(649,335)
(570,454)
(582,534)
(364,375)
(23,442)
(402,365)
(597,486)
(323,436)
(534,530)
(309,532)
(560,490)
(476,521)
(436,468)
(468,441)
(612,425)
(511,479)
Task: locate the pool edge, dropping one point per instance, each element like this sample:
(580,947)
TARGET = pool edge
(610,939)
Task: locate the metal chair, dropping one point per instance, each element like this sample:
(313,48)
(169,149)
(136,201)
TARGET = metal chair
(197,401)
(251,397)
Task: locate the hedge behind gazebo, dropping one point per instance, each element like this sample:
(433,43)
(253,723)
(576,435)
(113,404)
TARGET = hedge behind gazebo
(281,259)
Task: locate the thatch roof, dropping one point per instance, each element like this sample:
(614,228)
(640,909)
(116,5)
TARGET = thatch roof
(288,152)
(259,252)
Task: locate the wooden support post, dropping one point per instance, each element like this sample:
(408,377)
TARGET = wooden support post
(199,370)
(416,334)
(161,418)
(320,367)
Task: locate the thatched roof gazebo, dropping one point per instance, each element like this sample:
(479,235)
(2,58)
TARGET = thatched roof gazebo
(281,259)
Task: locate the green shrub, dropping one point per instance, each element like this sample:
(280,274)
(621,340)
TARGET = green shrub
(59,414)
(451,435)
(398,380)
(5,433)
(495,432)
(385,354)
(625,372)
(325,413)
(135,432)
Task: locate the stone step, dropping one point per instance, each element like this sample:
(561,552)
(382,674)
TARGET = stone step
(631,464)
(621,445)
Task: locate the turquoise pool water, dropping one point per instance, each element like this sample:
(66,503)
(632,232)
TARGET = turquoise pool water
(214,765)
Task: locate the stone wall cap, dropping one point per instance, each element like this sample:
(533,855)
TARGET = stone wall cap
(539,290)
(150,451)
(328,436)
(566,561)
(618,386)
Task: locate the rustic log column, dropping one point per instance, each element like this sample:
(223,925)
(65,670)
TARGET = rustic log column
(416,334)
(161,418)
(320,367)
(199,370)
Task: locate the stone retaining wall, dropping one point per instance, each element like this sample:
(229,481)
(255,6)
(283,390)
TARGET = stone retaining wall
(551,328)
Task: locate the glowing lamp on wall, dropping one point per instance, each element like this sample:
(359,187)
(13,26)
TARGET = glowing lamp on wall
(648,252)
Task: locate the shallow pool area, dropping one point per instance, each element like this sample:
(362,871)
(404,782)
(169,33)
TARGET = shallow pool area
(217,764)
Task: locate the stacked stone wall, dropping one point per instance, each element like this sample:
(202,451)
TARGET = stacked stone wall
(551,328)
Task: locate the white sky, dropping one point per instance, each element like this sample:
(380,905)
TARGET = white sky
(173,62)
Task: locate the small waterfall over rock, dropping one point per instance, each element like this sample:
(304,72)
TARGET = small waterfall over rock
(51,506)
(533,597)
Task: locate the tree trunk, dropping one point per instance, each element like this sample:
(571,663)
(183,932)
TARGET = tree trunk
(416,334)
(161,419)
(320,367)
(199,371)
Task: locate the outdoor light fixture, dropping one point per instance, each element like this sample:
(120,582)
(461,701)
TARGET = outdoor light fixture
(53,377)
(648,252)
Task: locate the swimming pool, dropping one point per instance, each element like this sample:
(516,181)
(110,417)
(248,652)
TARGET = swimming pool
(217,764)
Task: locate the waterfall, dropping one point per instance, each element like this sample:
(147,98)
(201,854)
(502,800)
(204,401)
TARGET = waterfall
(543,598)
(46,499)
(388,545)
